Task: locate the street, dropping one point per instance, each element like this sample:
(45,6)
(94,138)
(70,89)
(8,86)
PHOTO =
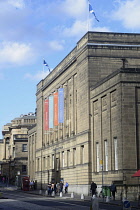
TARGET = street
(15,200)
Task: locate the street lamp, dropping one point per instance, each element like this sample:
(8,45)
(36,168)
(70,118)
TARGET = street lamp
(101,165)
(9,169)
(55,164)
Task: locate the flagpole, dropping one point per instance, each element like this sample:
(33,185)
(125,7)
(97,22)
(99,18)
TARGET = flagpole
(43,65)
(88,18)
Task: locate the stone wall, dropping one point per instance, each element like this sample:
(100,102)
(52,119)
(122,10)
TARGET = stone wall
(91,116)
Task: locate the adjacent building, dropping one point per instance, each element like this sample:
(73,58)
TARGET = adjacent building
(14,159)
(32,135)
(1,154)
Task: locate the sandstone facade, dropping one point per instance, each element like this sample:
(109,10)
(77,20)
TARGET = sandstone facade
(101,114)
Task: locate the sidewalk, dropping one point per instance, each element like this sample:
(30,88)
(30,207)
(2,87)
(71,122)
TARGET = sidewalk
(4,187)
(134,204)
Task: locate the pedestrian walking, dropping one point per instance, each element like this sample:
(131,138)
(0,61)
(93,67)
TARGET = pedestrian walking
(57,188)
(49,188)
(93,188)
(61,186)
(113,190)
(52,189)
(3,179)
(66,187)
(34,185)
(31,185)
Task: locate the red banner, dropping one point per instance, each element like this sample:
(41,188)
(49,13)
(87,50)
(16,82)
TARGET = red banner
(46,114)
(56,109)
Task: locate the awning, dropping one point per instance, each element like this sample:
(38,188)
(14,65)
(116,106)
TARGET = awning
(137,174)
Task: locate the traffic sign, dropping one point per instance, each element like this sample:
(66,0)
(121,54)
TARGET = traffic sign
(126,204)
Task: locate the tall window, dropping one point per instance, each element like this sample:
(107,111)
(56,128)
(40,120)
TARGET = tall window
(38,166)
(106,154)
(68,157)
(97,157)
(57,164)
(74,156)
(82,154)
(116,152)
(24,168)
(24,148)
(63,163)
(14,152)
(53,161)
(44,163)
(48,162)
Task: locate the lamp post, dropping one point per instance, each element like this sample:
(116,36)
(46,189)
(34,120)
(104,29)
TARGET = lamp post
(55,164)
(9,169)
(101,165)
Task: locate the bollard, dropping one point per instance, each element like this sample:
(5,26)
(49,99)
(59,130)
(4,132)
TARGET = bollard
(53,194)
(46,192)
(107,199)
(40,192)
(95,203)
(82,196)
(72,195)
(61,194)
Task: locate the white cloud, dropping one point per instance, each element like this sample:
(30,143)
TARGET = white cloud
(39,76)
(56,45)
(75,8)
(78,28)
(17,3)
(101,29)
(16,53)
(129,13)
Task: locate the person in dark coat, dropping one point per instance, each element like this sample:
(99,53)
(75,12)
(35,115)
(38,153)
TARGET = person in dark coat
(93,188)
(61,186)
(49,188)
(113,190)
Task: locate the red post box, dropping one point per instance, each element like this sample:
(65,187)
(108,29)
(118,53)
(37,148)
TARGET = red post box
(25,183)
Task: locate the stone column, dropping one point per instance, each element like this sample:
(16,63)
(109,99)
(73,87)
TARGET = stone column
(4,157)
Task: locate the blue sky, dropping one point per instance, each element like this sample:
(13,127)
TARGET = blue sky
(31,30)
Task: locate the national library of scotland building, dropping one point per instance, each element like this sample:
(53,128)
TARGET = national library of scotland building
(88,116)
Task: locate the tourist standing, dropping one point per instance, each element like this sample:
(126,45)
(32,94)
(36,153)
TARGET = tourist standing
(93,188)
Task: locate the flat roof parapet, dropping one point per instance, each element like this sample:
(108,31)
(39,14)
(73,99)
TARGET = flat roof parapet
(91,37)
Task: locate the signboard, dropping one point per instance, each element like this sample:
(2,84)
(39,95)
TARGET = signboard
(46,115)
(56,109)
(51,111)
(61,105)
(126,204)
(101,164)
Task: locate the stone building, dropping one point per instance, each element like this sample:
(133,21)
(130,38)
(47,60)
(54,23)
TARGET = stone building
(1,154)
(32,153)
(115,142)
(15,146)
(75,149)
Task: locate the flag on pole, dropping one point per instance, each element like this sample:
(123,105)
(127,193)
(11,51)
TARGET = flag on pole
(92,11)
(45,64)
